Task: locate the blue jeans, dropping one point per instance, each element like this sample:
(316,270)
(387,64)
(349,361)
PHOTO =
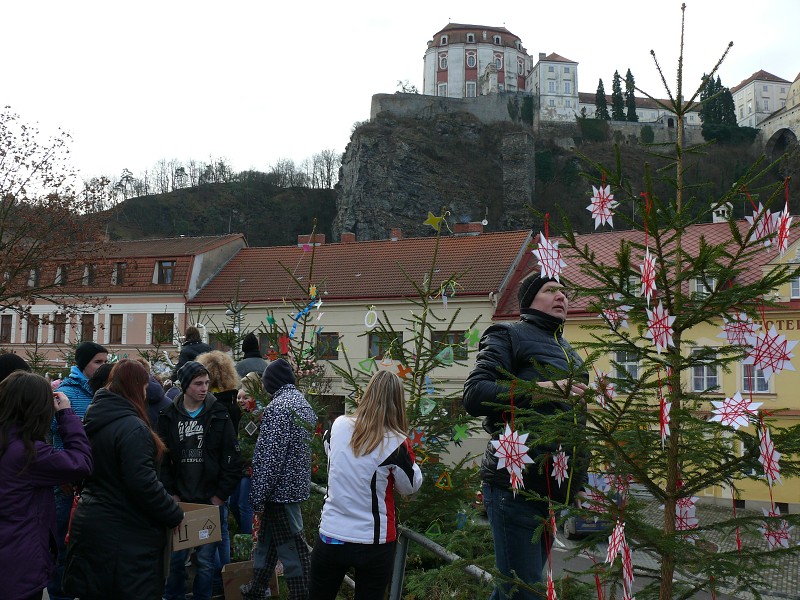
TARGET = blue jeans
(176,580)
(513,521)
(63,508)
(241,508)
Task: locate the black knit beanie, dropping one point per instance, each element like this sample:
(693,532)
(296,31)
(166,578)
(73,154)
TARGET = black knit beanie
(85,352)
(529,287)
(10,362)
(250,343)
(277,374)
(191,369)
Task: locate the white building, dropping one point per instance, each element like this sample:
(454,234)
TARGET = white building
(554,80)
(759,96)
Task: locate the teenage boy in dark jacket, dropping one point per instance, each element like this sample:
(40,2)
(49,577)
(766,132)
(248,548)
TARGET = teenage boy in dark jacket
(202,466)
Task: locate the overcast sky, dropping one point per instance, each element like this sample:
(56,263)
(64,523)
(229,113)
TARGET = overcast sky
(256,81)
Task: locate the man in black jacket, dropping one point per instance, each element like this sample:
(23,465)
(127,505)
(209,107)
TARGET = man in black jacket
(201,466)
(532,349)
(192,347)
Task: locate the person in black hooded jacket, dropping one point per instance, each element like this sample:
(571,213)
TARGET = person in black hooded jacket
(119,528)
(533,349)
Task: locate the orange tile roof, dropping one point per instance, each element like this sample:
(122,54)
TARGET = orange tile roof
(605,245)
(166,247)
(558,58)
(367,270)
(643,102)
(761,75)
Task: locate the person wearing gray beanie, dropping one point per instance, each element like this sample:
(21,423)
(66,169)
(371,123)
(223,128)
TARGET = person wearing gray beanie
(190,370)
(531,350)
(277,374)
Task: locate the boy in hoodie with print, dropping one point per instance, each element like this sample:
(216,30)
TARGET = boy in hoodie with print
(202,466)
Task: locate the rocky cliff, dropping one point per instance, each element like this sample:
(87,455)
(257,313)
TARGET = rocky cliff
(395,170)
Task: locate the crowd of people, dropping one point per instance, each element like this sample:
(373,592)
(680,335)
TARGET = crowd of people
(93,474)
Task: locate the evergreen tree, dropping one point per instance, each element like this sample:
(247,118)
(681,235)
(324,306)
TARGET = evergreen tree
(727,108)
(600,103)
(617,101)
(630,100)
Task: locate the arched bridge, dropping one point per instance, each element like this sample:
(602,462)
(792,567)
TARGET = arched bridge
(780,131)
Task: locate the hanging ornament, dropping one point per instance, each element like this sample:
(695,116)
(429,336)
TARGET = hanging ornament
(627,566)
(764,225)
(604,390)
(510,448)
(615,542)
(549,258)
(738,329)
(770,352)
(460,433)
(620,485)
(734,411)
(776,534)
(686,514)
(551,587)
(784,226)
(283,344)
(461,519)
(602,206)
(417,437)
(444,300)
(429,388)
(444,483)
(426,405)
(648,270)
(472,337)
(663,419)
(403,371)
(433,221)
(367,365)
(434,530)
(659,327)
(560,469)
(371,318)
(616,315)
(769,457)
(445,357)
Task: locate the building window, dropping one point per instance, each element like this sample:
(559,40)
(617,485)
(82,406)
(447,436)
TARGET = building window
(5,329)
(626,368)
(568,103)
(705,377)
(165,272)
(551,102)
(566,70)
(455,339)
(551,87)
(88,275)
(441,89)
(59,328)
(471,89)
(551,69)
(749,106)
(691,117)
(702,288)
(753,380)
(795,287)
(567,89)
(328,346)
(497,40)
(471,60)
(442,63)
(498,61)
(33,278)
(470,38)
(741,112)
(118,275)
(766,105)
(500,87)
(444,40)
(520,66)
(32,332)
(163,326)
(380,343)
(765,88)
(87,328)
(115,329)
(61,275)
(783,90)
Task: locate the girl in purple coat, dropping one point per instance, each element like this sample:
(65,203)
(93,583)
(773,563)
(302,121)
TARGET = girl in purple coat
(29,468)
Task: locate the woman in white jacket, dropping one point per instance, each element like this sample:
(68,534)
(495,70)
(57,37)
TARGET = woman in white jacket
(369,458)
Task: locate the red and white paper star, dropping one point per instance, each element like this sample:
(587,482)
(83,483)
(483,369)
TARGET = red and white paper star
(510,448)
(602,206)
(627,565)
(648,269)
(560,461)
(549,258)
(686,514)
(551,588)
(784,226)
(776,534)
(738,329)
(764,223)
(616,314)
(770,352)
(663,419)
(735,411)
(769,457)
(615,542)
(659,327)
(604,389)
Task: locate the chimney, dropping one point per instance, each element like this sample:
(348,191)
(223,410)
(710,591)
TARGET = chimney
(319,239)
(396,234)
(348,237)
(542,55)
(473,228)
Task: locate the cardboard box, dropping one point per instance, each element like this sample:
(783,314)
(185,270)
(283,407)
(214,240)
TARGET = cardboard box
(239,573)
(200,526)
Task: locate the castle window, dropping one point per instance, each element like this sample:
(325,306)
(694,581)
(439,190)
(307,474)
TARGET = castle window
(551,87)
(444,40)
(567,88)
(552,102)
(470,38)
(520,66)
(498,61)
(766,88)
(441,89)
(497,40)
(471,90)
(442,63)
(566,69)
(471,60)
(568,103)
(551,69)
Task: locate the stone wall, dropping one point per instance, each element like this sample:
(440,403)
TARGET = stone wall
(489,109)
(519,173)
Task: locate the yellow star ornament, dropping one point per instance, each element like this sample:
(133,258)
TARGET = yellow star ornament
(433,221)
